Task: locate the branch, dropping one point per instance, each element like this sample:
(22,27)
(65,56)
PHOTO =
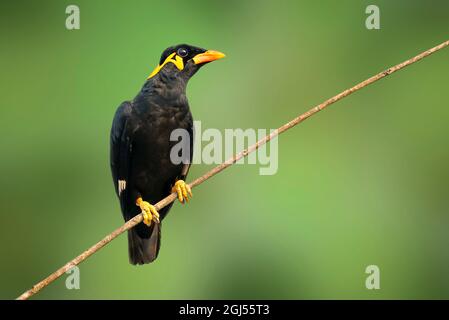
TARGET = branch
(169,199)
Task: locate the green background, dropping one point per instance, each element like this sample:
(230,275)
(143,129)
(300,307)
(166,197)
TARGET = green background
(364,182)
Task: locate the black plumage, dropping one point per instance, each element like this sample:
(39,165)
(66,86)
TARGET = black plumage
(140,143)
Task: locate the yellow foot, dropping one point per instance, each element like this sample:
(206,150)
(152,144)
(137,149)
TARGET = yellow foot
(183,190)
(149,212)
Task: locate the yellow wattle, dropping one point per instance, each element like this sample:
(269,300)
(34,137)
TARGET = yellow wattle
(173,58)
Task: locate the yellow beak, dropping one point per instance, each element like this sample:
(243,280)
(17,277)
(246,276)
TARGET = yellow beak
(208,56)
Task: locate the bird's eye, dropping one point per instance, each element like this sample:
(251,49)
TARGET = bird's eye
(182,52)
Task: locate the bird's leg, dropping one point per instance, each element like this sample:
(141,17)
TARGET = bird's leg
(183,190)
(149,212)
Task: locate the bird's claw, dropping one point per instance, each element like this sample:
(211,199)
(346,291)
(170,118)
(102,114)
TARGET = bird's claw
(149,212)
(183,190)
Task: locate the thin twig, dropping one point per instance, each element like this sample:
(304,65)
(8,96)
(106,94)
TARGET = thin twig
(169,199)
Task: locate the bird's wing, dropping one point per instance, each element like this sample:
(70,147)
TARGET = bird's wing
(121,149)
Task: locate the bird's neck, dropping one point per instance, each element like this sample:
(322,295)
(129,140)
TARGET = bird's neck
(165,89)
(166,83)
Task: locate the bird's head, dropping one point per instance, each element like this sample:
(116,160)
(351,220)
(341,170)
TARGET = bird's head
(186,58)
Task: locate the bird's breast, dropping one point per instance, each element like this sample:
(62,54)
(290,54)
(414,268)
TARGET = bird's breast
(152,144)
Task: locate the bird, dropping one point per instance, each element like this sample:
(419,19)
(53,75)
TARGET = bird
(142,167)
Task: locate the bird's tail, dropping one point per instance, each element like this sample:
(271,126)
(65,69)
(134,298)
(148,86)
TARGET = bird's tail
(144,250)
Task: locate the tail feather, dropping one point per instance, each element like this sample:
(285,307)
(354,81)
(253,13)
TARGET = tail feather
(144,250)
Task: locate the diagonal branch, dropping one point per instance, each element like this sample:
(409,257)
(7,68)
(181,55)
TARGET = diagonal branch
(169,199)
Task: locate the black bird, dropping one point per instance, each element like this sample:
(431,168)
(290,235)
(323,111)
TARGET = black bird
(142,168)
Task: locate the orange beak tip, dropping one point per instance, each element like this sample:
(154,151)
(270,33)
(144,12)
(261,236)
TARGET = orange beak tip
(208,56)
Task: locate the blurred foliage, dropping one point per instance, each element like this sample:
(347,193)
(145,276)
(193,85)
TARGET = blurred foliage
(364,182)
